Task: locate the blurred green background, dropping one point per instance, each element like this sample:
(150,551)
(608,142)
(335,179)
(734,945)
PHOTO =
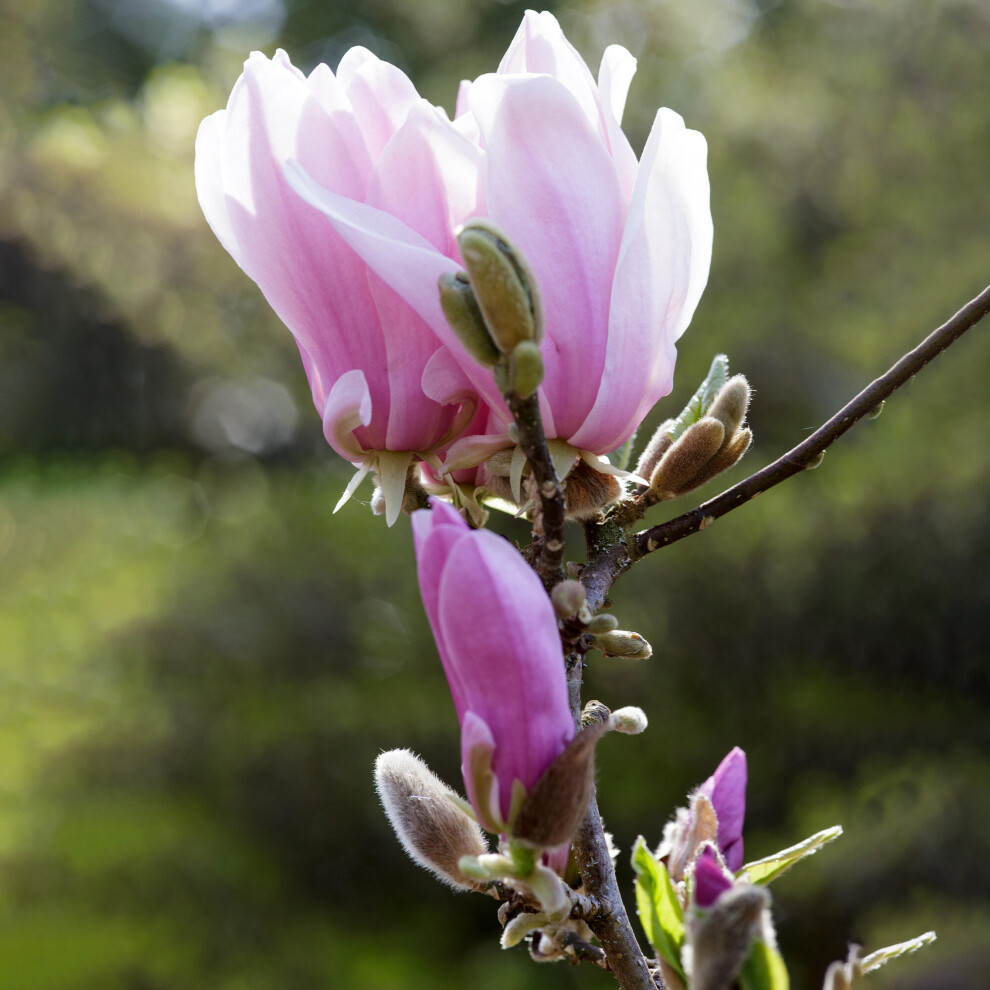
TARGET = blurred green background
(199,663)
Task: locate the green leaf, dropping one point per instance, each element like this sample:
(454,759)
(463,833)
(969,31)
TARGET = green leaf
(764,969)
(659,910)
(620,457)
(717,376)
(883,956)
(770,867)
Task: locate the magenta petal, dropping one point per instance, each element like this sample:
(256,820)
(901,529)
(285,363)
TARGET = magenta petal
(710,881)
(726,789)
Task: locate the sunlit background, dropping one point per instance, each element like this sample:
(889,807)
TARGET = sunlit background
(199,663)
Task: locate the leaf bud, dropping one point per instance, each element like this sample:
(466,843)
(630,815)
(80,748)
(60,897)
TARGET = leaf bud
(730,453)
(659,444)
(731,404)
(460,307)
(428,817)
(602,623)
(595,712)
(525,369)
(675,473)
(504,286)
(721,937)
(623,643)
(630,720)
(567,597)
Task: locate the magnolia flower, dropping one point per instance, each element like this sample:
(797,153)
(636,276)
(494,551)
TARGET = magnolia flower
(620,248)
(497,636)
(385,388)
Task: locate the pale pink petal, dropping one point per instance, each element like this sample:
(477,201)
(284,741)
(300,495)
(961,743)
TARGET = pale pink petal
(661,271)
(553,187)
(209,181)
(348,408)
(614,76)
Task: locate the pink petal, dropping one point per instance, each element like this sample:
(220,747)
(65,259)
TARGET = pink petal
(726,789)
(614,76)
(710,881)
(660,274)
(553,187)
(348,407)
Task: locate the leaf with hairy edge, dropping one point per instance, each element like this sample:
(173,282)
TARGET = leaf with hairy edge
(659,910)
(765,870)
(764,969)
(883,956)
(717,376)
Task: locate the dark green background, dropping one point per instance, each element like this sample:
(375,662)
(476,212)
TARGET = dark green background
(200,663)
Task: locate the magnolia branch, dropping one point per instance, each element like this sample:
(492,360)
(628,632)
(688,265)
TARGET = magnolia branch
(806,454)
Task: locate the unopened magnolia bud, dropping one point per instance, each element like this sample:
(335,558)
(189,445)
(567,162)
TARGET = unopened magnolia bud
(731,404)
(659,444)
(460,307)
(503,285)
(525,369)
(428,818)
(623,643)
(721,937)
(567,598)
(725,458)
(630,720)
(675,473)
(602,623)
(555,805)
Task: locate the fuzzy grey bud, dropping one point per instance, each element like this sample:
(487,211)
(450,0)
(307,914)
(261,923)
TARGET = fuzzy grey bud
(503,285)
(567,598)
(630,720)
(721,937)
(623,643)
(460,307)
(675,473)
(428,817)
(659,444)
(731,404)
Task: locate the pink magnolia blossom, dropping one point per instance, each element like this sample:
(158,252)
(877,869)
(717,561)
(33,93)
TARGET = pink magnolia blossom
(497,636)
(621,248)
(726,789)
(386,389)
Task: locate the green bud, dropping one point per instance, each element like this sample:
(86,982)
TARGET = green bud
(567,598)
(731,404)
(503,285)
(461,310)
(675,473)
(525,369)
(602,623)
(623,643)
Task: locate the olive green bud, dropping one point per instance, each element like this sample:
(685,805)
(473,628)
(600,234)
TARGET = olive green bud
(503,284)
(623,643)
(461,310)
(731,404)
(525,369)
(567,598)
(602,623)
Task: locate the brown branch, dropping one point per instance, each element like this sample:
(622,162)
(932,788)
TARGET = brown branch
(548,561)
(805,454)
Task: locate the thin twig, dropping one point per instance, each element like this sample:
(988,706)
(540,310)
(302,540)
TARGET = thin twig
(805,454)
(549,559)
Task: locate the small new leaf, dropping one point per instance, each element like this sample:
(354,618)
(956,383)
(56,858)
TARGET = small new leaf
(764,969)
(659,910)
(764,871)
(883,956)
(717,376)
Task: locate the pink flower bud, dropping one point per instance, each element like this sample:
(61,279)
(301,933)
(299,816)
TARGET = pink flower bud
(497,636)
(726,789)
(365,135)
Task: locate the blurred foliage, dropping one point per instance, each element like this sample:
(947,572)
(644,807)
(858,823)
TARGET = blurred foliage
(200,663)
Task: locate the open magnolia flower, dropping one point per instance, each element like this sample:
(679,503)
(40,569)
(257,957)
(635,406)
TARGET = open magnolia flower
(620,248)
(388,392)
